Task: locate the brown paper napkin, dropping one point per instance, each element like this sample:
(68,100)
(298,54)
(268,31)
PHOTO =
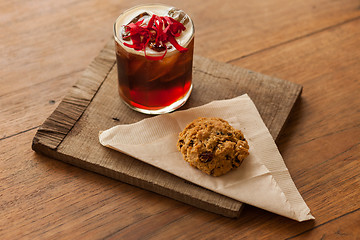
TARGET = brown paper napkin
(262,180)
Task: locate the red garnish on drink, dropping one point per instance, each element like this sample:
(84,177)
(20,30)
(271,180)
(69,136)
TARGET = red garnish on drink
(158,32)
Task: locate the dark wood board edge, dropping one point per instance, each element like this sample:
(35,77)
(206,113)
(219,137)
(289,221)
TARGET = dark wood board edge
(294,104)
(233,210)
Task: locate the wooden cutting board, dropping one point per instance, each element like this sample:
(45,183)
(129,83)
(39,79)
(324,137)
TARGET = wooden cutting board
(70,134)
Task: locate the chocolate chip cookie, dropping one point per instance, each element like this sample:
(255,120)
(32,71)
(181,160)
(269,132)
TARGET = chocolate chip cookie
(212,145)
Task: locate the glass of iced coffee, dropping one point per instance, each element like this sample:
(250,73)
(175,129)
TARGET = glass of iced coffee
(154,52)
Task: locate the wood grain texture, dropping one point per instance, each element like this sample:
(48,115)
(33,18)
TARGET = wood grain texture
(345,228)
(327,121)
(70,133)
(45,45)
(58,125)
(63,37)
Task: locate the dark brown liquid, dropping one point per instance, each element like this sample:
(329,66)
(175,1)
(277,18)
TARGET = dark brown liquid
(152,85)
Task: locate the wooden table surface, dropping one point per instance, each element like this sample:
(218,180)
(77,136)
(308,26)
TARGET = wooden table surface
(46,44)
